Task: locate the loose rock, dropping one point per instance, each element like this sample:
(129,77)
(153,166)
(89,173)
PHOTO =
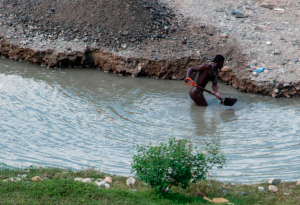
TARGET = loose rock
(78,179)
(130,181)
(108,179)
(226,69)
(100,184)
(274,181)
(277,52)
(261,188)
(273,188)
(36,178)
(87,180)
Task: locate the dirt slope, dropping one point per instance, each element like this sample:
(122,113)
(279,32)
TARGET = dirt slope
(159,38)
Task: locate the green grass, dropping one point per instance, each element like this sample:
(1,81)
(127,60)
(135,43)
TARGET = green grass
(62,189)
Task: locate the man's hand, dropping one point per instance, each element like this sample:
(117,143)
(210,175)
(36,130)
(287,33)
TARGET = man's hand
(185,79)
(218,95)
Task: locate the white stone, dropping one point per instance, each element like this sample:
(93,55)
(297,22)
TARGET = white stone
(87,180)
(78,179)
(261,188)
(18,179)
(107,186)
(273,188)
(269,43)
(130,181)
(101,184)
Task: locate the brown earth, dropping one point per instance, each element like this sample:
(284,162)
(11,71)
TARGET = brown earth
(159,39)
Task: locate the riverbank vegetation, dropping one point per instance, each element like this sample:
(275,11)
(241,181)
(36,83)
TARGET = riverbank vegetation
(58,187)
(169,173)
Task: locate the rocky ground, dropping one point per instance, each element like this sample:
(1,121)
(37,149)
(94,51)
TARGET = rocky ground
(160,38)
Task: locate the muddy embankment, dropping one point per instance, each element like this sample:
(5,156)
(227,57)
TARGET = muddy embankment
(143,38)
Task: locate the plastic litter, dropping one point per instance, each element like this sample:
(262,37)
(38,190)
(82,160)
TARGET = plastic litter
(279,9)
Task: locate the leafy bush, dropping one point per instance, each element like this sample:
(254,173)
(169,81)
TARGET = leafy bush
(175,163)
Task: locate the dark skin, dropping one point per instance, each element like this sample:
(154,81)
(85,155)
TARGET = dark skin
(206,73)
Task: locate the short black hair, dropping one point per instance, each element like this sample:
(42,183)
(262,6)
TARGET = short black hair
(219,59)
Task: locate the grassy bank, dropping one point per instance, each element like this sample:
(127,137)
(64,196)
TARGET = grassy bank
(58,187)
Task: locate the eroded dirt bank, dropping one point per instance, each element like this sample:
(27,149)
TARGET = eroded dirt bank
(131,38)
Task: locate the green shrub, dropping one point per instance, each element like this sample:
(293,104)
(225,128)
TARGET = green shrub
(175,163)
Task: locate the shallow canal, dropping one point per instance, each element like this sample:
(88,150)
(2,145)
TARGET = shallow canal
(79,118)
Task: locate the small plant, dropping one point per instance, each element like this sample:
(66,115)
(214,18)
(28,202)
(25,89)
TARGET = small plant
(175,163)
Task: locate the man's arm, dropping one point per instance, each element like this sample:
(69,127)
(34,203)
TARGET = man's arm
(193,69)
(215,87)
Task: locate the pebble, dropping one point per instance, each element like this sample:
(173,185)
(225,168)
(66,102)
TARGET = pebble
(243,193)
(254,63)
(22,176)
(36,178)
(87,180)
(275,181)
(273,188)
(108,179)
(224,36)
(277,52)
(130,181)
(78,179)
(226,69)
(224,190)
(286,194)
(100,184)
(261,188)
(269,43)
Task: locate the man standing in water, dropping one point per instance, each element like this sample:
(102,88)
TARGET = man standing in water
(206,72)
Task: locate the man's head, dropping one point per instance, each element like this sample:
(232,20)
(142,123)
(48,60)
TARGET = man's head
(219,59)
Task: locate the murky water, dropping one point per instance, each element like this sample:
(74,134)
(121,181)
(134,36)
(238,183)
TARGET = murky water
(79,118)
